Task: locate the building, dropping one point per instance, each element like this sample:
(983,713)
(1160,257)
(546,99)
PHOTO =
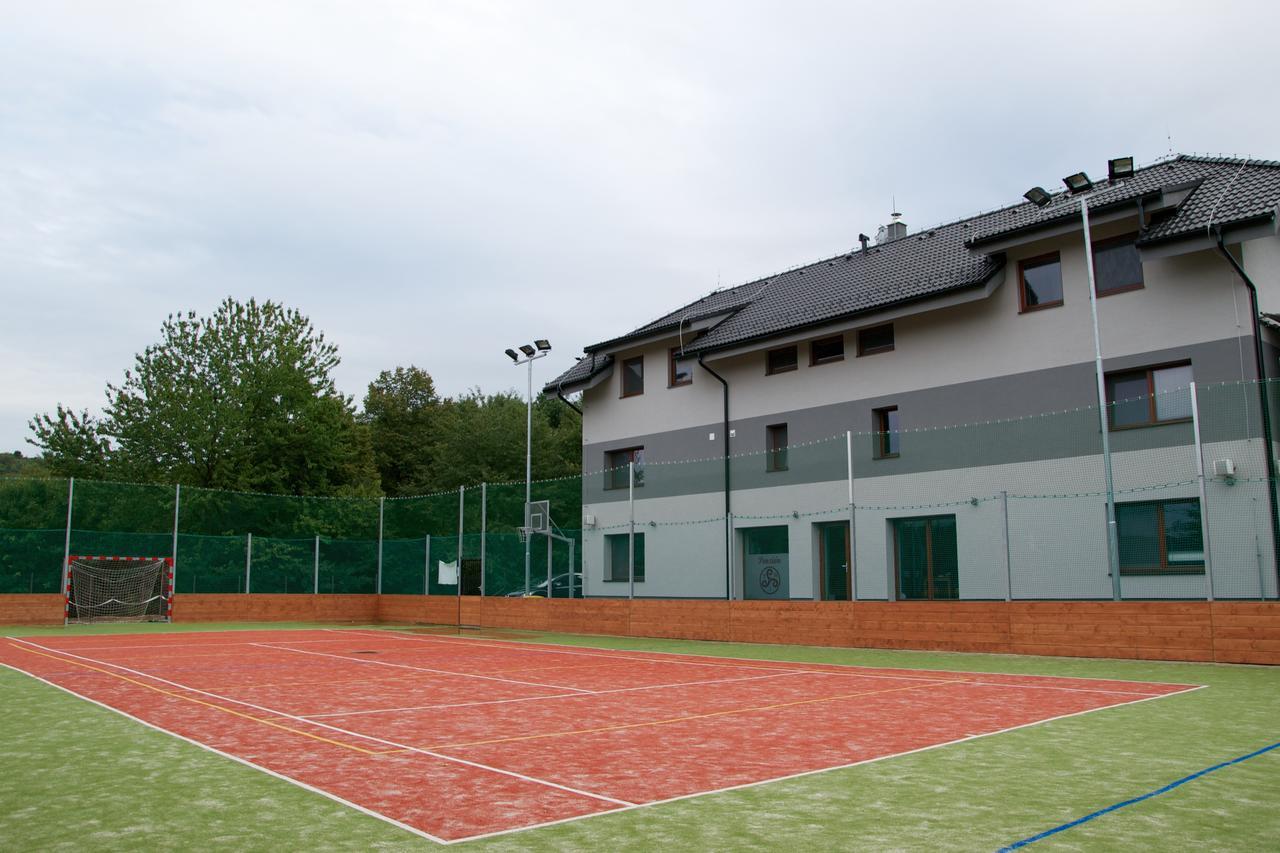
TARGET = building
(945,378)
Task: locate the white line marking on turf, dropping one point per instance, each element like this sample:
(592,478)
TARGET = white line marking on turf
(553,696)
(347,732)
(577,690)
(804,773)
(244,761)
(846,671)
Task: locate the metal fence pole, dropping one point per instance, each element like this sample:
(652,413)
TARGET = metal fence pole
(248,560)
(1204,502)
(484,530)
(853,522)
(66,555)
(315,571)
(378,585)
(1008,563)
(571,566)
(631,530)
(549,541)
(426,568)
(462,493)
(173,568)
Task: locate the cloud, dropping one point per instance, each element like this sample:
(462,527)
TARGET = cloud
(432,183)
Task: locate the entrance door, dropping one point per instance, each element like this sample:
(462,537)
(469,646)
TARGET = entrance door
(833,560)
(926,557)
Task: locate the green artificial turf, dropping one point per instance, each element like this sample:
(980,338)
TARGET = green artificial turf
(78,776)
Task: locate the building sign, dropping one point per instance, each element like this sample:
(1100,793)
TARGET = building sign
(766,576)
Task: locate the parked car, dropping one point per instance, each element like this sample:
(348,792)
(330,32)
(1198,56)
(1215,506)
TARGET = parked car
(559,587)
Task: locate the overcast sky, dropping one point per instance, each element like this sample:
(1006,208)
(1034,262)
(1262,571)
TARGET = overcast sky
(432,182)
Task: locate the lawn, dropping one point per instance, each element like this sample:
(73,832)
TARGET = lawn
(77,775)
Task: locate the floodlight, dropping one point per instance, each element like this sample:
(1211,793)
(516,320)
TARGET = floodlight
(527,350)
(1037,196)
(512,355)
(543,345)
(1120,167)
(1078,183)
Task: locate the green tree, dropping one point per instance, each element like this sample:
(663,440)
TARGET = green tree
(242,399)
(403,411)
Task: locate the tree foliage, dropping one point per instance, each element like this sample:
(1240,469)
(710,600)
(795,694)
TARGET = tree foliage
(242,399)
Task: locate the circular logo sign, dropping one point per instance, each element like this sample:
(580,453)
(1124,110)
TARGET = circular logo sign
(770,580)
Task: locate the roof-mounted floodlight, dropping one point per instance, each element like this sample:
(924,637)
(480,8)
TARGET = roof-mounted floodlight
(1037,196)
(1121,167)
(511,354)
(543,345)
(1078,183)
(527,350)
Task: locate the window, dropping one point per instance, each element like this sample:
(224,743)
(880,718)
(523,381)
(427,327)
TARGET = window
(827,350)
(875,339)
(1160,537)
(679,371)
(1117,266)
(780,360)
(1152,395)
(633,376)
(887,435)
(926,557)
(617,548)
(615,463)
(1040,282)
(775,439)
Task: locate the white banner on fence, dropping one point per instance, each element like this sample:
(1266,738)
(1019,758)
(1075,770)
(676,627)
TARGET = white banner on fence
(447,573)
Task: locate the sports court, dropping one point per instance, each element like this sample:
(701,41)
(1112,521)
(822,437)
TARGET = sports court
(456,737)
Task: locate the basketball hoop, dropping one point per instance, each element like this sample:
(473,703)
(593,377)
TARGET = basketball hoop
(524,533)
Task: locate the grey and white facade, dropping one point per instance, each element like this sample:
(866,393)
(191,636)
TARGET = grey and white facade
(951,371)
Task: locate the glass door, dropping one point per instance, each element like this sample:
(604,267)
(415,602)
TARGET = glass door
(833,559)
(927,557)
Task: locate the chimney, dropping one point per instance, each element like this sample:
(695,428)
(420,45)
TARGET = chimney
(864,240)
(895,229)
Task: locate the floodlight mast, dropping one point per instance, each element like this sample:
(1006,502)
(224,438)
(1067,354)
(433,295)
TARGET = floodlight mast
(531,355)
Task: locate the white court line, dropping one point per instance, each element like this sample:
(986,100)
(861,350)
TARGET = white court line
(347,732)
(235,758)
(730,788)
(577,690)
(846,671)
(554,696)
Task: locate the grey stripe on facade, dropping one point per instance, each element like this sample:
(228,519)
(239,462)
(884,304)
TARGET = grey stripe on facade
(1228,414)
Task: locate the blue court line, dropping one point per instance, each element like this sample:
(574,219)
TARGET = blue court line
(1157,792)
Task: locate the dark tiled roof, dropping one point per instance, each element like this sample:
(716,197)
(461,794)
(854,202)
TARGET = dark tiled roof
(949,257)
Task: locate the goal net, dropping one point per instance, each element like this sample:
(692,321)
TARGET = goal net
(119,589)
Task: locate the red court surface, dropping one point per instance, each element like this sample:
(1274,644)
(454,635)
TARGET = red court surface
(455,738)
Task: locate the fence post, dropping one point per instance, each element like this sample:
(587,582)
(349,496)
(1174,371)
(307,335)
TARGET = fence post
(66,555)
(173,567)
(549,541)
(631,530)
(1008,563)
(462,493)
(248,560)
(572,566)
(426,568)
(1204,504)
(853,521)
(315,571)
(381,503)
(484,530)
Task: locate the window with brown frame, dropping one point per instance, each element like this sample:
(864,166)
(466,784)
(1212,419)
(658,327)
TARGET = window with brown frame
(633,376)
(1149,396)
(615,467)
(1160,537)
(826,350)
(1117,267)
(887,435)
(780,360)
(775,437)
(875,339)
(1040,282)
(679,370)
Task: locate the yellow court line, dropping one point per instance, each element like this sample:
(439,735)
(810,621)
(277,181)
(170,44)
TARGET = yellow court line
(206,704)
(692,716)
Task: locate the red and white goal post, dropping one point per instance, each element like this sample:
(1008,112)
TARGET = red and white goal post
(117,589)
